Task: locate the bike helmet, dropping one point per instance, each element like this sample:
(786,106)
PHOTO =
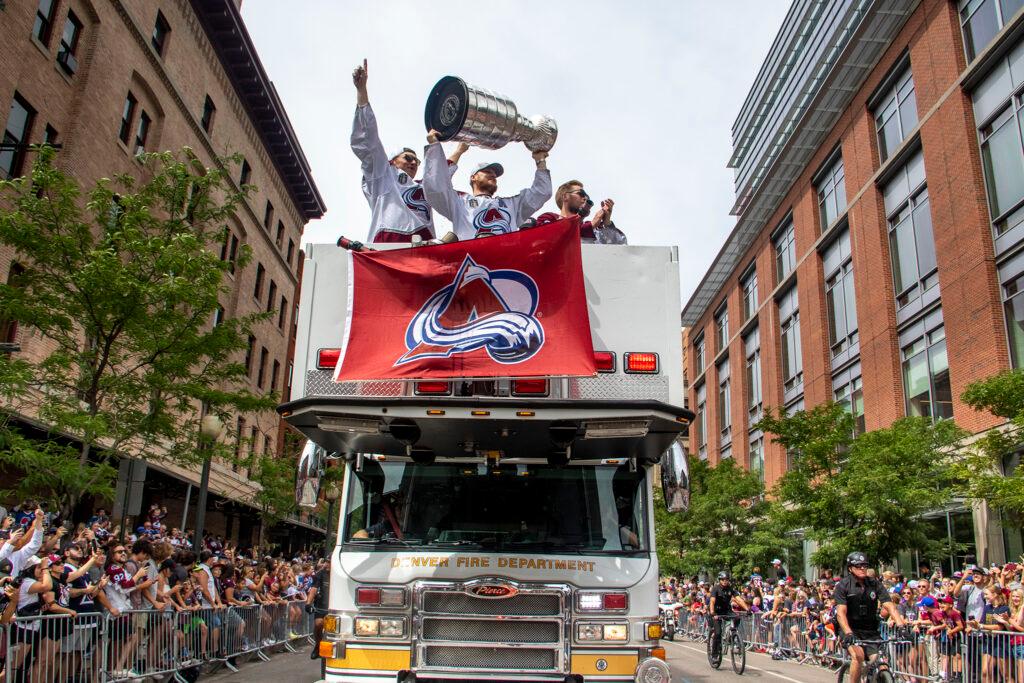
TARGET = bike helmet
(856,557)
(723,575)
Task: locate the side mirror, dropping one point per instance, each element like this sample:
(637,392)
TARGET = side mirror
(307,480)
(675,479)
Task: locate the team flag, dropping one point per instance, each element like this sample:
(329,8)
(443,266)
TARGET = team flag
(505,306)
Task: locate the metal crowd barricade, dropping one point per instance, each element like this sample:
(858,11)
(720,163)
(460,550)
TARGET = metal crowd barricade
(993,656)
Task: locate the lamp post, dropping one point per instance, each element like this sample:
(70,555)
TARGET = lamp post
(210,429)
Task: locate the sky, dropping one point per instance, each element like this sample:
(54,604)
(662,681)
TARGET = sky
(644,92)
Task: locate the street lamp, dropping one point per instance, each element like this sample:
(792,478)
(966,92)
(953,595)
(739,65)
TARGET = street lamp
(210,429)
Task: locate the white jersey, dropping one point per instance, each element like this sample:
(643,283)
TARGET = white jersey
(480,215)
(397,202)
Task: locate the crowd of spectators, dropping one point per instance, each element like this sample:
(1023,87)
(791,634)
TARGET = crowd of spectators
(969,623)
(154,596)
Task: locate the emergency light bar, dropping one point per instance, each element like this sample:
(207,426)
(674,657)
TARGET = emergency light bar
(641,363)
(327,359)
(605,361)
(352,425)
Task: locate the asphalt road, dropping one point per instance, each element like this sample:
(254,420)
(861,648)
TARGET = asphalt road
(687,660)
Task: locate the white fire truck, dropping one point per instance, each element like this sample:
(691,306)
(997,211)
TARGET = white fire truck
(501,529)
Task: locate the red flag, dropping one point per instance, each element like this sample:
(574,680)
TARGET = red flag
(505,306)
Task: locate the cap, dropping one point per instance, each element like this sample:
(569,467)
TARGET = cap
(958,575)
(401,150)
(497,168)
(33,561)
(946,600)
(912,584)
(54,558)
(776,561)
(927,601)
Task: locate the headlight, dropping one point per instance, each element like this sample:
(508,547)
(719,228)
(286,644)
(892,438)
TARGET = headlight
(590,601)
(616,632)
(587,631)
(367,626)
(392,628)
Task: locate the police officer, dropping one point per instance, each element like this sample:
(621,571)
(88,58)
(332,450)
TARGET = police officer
(857,598)
(723,596)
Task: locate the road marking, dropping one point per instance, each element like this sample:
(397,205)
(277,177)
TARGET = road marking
(749,666)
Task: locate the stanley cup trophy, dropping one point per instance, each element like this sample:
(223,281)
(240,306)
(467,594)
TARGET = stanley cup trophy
(465,113)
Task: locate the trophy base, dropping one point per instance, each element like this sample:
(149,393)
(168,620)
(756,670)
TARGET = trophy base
(447,107)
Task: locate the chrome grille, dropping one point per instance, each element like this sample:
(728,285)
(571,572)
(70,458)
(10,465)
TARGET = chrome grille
(522,605)
(491,630)
(514,659)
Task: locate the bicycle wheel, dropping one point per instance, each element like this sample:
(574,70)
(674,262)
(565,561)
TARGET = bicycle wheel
(841,676)
(885,676)
(714,651)
(737,653)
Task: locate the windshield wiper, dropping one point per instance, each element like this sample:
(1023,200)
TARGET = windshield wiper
(455,544)
(390,540)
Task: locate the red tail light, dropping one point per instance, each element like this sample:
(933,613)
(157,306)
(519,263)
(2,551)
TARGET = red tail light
(605,361)
(615,601)
(641,363)
(433,388)
(327,359)
(367,596)
(529,387)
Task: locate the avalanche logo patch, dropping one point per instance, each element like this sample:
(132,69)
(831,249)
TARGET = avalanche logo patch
(494,220)
(481,308)
(415,199)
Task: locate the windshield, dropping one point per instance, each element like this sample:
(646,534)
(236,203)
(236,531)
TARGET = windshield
(585,508)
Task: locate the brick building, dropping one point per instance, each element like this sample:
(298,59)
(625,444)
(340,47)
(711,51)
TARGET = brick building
(878,252)
(110,78)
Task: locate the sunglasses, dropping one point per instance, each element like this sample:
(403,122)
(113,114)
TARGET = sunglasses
(859,566)
(408,157)
(581,193)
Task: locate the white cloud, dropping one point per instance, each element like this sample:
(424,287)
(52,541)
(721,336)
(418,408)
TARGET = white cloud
(644,92)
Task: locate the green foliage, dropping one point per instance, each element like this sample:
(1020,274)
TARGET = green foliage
(729,525)
(275,498)
(980,473)
(122,282)
(866,492)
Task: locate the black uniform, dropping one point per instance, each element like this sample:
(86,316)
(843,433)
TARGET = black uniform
(722,596)
(861,600)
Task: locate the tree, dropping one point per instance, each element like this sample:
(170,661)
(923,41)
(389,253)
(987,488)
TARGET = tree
(121,283)
(727,526)
(275,498)
(865,492)
(981,472)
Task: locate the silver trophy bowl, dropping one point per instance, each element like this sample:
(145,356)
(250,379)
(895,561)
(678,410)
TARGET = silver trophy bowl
(465,113)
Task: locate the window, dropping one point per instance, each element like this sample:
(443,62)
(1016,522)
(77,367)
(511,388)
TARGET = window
(848,391)
(911,244)
(702,422)
(288,377)
(261,374)
(218,316)
(161,32)
(271,296)
(44,21)
(757,458)
(1011,274)
(999,112)
(750,301)
(246,173)
(268,216)
(722,329)
(208,112)
(752,349)
(279,240)
(791,410)
(792,362)
(831,188)
(248,353)
(239,435)
(724,404)
(127,115)
(142,133)
(725,453)
(839,297)
(69,44)
(16,134)
(254,435)
(981,20)
(698,355)
(50,135)
(9,327)
(229,248)
(785,251)
(273,375)
(926,368)
(281,313)
(895,113)
(291,252)
(257,291)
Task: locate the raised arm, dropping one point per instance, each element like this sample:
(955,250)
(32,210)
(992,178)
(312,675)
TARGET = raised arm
(365,139)
(530,200)
(437,181)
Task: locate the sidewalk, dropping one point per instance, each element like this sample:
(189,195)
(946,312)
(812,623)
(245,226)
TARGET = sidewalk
(286,666)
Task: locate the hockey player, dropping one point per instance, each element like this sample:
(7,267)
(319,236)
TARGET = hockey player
(398,206)
(572,200)
(482,214)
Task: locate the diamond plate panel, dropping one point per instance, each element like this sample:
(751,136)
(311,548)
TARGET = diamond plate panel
(490,630)
(522,605)
(514,659)
(625,387)
(320,383)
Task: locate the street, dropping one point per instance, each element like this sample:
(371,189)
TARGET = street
(687,660)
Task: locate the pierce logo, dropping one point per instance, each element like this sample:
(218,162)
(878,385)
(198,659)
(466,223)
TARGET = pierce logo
(493,590)
(485,309)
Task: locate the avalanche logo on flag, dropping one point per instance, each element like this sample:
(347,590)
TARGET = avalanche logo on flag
(481,308)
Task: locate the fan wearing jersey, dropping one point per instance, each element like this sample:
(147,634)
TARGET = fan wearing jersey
(398,207)
(482,214)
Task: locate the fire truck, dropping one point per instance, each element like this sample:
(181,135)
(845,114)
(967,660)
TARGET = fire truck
(501,529)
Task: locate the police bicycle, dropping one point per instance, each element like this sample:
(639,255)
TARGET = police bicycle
(876,669)
(729,637)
